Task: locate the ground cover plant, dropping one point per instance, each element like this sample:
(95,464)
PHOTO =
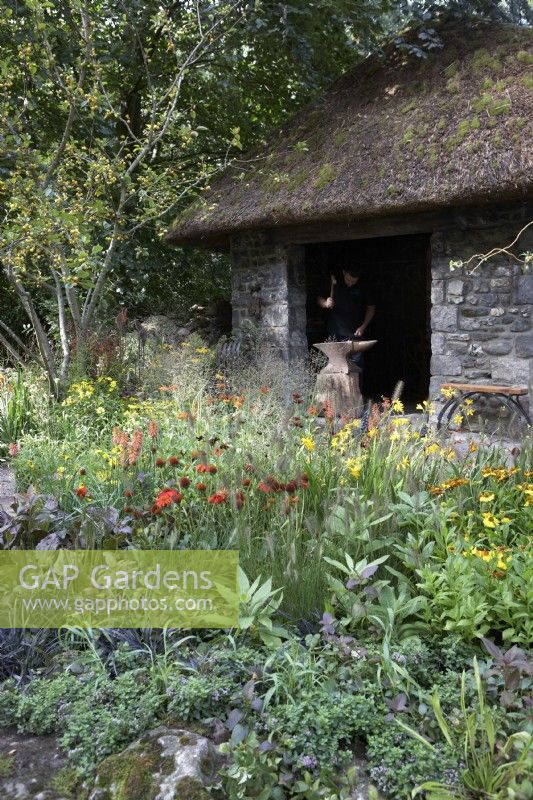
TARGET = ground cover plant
(386,583)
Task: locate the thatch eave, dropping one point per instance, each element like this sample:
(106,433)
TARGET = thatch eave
(390,137)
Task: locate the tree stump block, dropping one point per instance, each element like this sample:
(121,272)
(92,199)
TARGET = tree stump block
(337,384)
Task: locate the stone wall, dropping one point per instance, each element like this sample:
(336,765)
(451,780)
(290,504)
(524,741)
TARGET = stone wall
(268,289)
(481,320)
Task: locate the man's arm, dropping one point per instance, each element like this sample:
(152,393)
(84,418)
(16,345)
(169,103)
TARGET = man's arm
(369,316)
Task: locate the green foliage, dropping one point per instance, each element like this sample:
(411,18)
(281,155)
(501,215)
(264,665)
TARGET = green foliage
(198,697)
(15,409)
(398,763)
(41,707)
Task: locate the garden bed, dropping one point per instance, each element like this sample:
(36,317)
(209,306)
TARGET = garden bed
(385,589)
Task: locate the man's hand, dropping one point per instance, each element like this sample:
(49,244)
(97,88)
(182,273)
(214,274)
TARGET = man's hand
(326,302)
(360,332)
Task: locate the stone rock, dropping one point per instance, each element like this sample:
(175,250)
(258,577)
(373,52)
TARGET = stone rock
(498,347)
(524,346)
(444,318)
(33,768)
(510,370)
(524,290)
(445,365)
(164,764)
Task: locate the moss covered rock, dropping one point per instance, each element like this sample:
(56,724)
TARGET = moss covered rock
(165,764)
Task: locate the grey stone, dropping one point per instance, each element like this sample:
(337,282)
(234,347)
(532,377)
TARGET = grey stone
(524,346)
(498,347)
(489,299)
(460,348)
(171,762)
(524,290)
(510,370)
(437,292)
(445,365)
(500,283)
(455,287)
(473,312)
(521,324)
(497,312)
(444,318)
(437,343)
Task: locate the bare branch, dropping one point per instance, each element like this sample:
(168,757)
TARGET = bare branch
(496,251)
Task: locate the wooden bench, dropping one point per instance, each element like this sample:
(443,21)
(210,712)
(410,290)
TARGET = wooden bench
(508,395)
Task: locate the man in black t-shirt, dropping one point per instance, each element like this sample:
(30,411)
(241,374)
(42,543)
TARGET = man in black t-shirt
(350,308)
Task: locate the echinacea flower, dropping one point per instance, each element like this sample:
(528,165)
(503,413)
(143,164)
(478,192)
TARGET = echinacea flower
(173,461)
(160,462)
(185,482)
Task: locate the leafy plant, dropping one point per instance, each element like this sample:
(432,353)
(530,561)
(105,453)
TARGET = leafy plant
(490,768)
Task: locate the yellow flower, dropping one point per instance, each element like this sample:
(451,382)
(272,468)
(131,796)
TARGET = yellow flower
(61,470)
(472,447)
(202,350)
(354,466)
(431,448)
(489,520)
(308,442)
(394,436)
(486,497)
(447,393)
(372,433)
(426,406)
(403,464)
(100,410)
(397,406)
(458,419)
(398,421)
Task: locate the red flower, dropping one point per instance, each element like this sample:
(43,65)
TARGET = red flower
(128,493)
(246,482)
(128,509)
(263,487)
(291,486)
(153,429)
(185,482)
(274,484)
(212,469)
(219,497)
(160,462)
(201,468)
(81,491)
(13,449)
(166,498)
(201,487)
(312,411)
(173,461)
(239,499)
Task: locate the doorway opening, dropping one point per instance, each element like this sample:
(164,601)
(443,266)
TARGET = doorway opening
(397,272)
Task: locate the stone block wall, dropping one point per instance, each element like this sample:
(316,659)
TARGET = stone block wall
(268,289)
(481,320)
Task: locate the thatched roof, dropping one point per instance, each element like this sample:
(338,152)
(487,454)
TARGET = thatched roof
(397,134)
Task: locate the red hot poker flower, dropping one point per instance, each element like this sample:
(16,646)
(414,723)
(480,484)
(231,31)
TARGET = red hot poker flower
(153,429)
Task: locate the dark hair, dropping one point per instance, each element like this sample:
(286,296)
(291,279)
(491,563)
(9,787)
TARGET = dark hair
(353,270)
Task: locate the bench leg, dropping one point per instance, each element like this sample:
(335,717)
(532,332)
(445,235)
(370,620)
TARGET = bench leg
(520,408)
(448,408)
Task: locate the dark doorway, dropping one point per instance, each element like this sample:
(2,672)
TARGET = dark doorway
(397,271)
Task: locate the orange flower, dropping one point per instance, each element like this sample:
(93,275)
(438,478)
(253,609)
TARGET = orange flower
(153,429)
(81,491)
(312,411)
(160,462)
(201,487)
(219,497)
(165,498)
(246,482)
(173,461)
